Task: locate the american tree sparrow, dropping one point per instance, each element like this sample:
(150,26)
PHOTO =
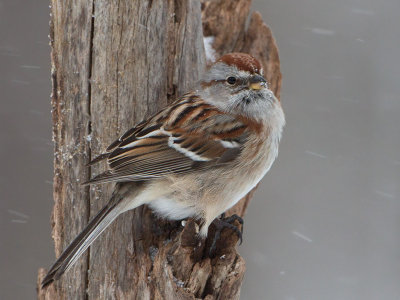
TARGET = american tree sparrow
(197,157)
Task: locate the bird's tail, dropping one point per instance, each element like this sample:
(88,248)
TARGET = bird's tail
(88,235)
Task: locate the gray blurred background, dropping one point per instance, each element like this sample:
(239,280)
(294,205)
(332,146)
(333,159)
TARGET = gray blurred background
(325,222)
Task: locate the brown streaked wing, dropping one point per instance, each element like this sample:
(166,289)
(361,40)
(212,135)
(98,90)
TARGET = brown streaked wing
(184,137)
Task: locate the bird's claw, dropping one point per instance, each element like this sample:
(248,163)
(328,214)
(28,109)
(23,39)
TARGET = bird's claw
(225,222)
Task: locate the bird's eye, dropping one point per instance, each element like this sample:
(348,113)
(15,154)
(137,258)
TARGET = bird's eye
(231,80)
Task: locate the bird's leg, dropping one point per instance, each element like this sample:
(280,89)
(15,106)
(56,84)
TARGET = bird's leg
(222,223)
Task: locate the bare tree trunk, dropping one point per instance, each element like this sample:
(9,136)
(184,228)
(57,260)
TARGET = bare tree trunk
(113,64)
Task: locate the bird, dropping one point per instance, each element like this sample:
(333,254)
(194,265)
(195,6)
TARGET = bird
(195,158)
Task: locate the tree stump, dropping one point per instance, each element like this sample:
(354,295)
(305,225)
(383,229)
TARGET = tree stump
(113,64)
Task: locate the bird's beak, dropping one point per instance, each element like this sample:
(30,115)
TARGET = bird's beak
(257,83)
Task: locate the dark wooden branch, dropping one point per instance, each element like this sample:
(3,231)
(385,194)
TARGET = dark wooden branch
(113,64)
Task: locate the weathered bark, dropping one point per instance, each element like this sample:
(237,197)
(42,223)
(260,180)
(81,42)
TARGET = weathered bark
(113,64)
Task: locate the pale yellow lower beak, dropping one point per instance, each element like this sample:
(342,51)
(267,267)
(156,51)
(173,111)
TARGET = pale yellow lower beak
(257,82)
(257,86)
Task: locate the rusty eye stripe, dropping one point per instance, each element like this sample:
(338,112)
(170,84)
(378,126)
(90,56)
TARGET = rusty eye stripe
(239,81)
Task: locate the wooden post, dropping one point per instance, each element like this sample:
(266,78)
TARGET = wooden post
(113,64)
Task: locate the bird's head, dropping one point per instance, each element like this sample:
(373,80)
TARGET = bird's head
(235,84)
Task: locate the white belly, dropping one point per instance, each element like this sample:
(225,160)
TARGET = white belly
(172,209)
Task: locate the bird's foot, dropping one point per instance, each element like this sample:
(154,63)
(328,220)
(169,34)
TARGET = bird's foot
(222,223)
